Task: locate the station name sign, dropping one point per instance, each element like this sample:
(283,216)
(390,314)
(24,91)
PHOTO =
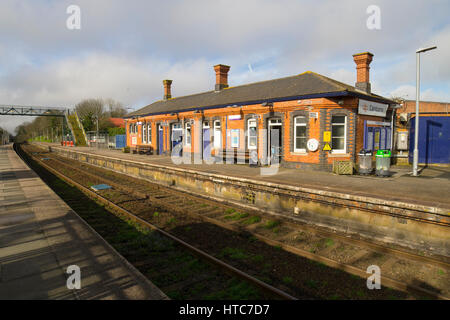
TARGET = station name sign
(371,108)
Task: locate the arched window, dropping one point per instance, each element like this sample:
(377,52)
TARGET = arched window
(187,133)
(144,132)
(338,134)
(252,138)
(300,134)
(217,135)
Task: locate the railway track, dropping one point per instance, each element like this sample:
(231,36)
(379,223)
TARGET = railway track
(268,290)
(227,217)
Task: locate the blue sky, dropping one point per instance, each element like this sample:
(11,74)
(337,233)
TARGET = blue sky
(125,49)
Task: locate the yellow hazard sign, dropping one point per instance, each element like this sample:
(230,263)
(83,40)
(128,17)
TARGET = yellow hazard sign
(327,136)
(326,147)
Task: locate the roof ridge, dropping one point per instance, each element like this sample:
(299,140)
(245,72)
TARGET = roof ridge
(229,88)
(305,83)
(334,82)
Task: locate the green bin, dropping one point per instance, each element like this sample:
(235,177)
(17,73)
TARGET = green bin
(383,163)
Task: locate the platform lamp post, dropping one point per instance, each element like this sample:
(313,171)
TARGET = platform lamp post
(416,133)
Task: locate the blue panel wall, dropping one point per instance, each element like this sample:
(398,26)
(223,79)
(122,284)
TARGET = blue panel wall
(434,139)
(121,141)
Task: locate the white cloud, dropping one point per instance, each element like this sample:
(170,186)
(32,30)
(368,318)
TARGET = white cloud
(125,48)
(408,92)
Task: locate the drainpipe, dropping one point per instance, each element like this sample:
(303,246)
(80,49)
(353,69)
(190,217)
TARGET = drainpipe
(226,132)
(392,129)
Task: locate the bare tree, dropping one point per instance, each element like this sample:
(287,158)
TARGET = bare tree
(115,108)
(88,110)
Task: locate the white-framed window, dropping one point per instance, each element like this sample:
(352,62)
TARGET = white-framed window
(274,122)
(252,137)
(144,133)
(149,132)
(187,133)
(338,134)
(217,135)
(130,129)
(300,134)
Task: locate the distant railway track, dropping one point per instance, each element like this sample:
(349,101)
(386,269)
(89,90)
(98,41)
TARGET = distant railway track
(175,201)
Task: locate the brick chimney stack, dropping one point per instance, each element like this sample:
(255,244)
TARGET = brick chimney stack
(221,76)
(167,89)
(363,61)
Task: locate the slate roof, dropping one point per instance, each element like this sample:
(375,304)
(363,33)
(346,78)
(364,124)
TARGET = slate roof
(302,86)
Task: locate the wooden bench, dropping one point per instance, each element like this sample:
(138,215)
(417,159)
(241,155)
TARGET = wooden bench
(142,150)
(236,155)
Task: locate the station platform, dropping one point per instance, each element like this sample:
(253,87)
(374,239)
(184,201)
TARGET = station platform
(40,237)
(428,189)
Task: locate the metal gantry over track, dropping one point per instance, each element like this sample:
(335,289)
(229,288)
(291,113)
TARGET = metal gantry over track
(13,110)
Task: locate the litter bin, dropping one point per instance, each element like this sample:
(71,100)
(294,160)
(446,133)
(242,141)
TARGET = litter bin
(365,162)
(383,163)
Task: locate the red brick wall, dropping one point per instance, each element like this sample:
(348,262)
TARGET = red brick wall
(425,106)
(325,108)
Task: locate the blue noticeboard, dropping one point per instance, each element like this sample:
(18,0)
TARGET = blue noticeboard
(434,139)
(377,136)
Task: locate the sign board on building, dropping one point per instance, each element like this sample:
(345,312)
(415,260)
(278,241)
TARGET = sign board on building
(314,115)
(234,117)
(235,138)
(371,108)
(133,140)
(327,136)
(326,147)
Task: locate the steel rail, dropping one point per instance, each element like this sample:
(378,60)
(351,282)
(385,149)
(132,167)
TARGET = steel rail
(312,256)
(365,244)
(228,268)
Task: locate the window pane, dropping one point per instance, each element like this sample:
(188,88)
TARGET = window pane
(338,131)
(300,131)
(217,137)
(337,143)
(252,132)
(338,119)
(300,120)
(300,143)
(252,142)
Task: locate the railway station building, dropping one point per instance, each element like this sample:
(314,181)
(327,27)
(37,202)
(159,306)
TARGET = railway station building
(302,121)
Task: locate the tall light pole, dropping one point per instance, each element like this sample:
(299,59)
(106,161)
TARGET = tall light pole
(416,132)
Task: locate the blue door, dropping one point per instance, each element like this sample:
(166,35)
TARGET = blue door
(160,139)
(434,139)
(206,143)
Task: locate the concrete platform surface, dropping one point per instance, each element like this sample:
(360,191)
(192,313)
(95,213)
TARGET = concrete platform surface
(40,237)
(431,188)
